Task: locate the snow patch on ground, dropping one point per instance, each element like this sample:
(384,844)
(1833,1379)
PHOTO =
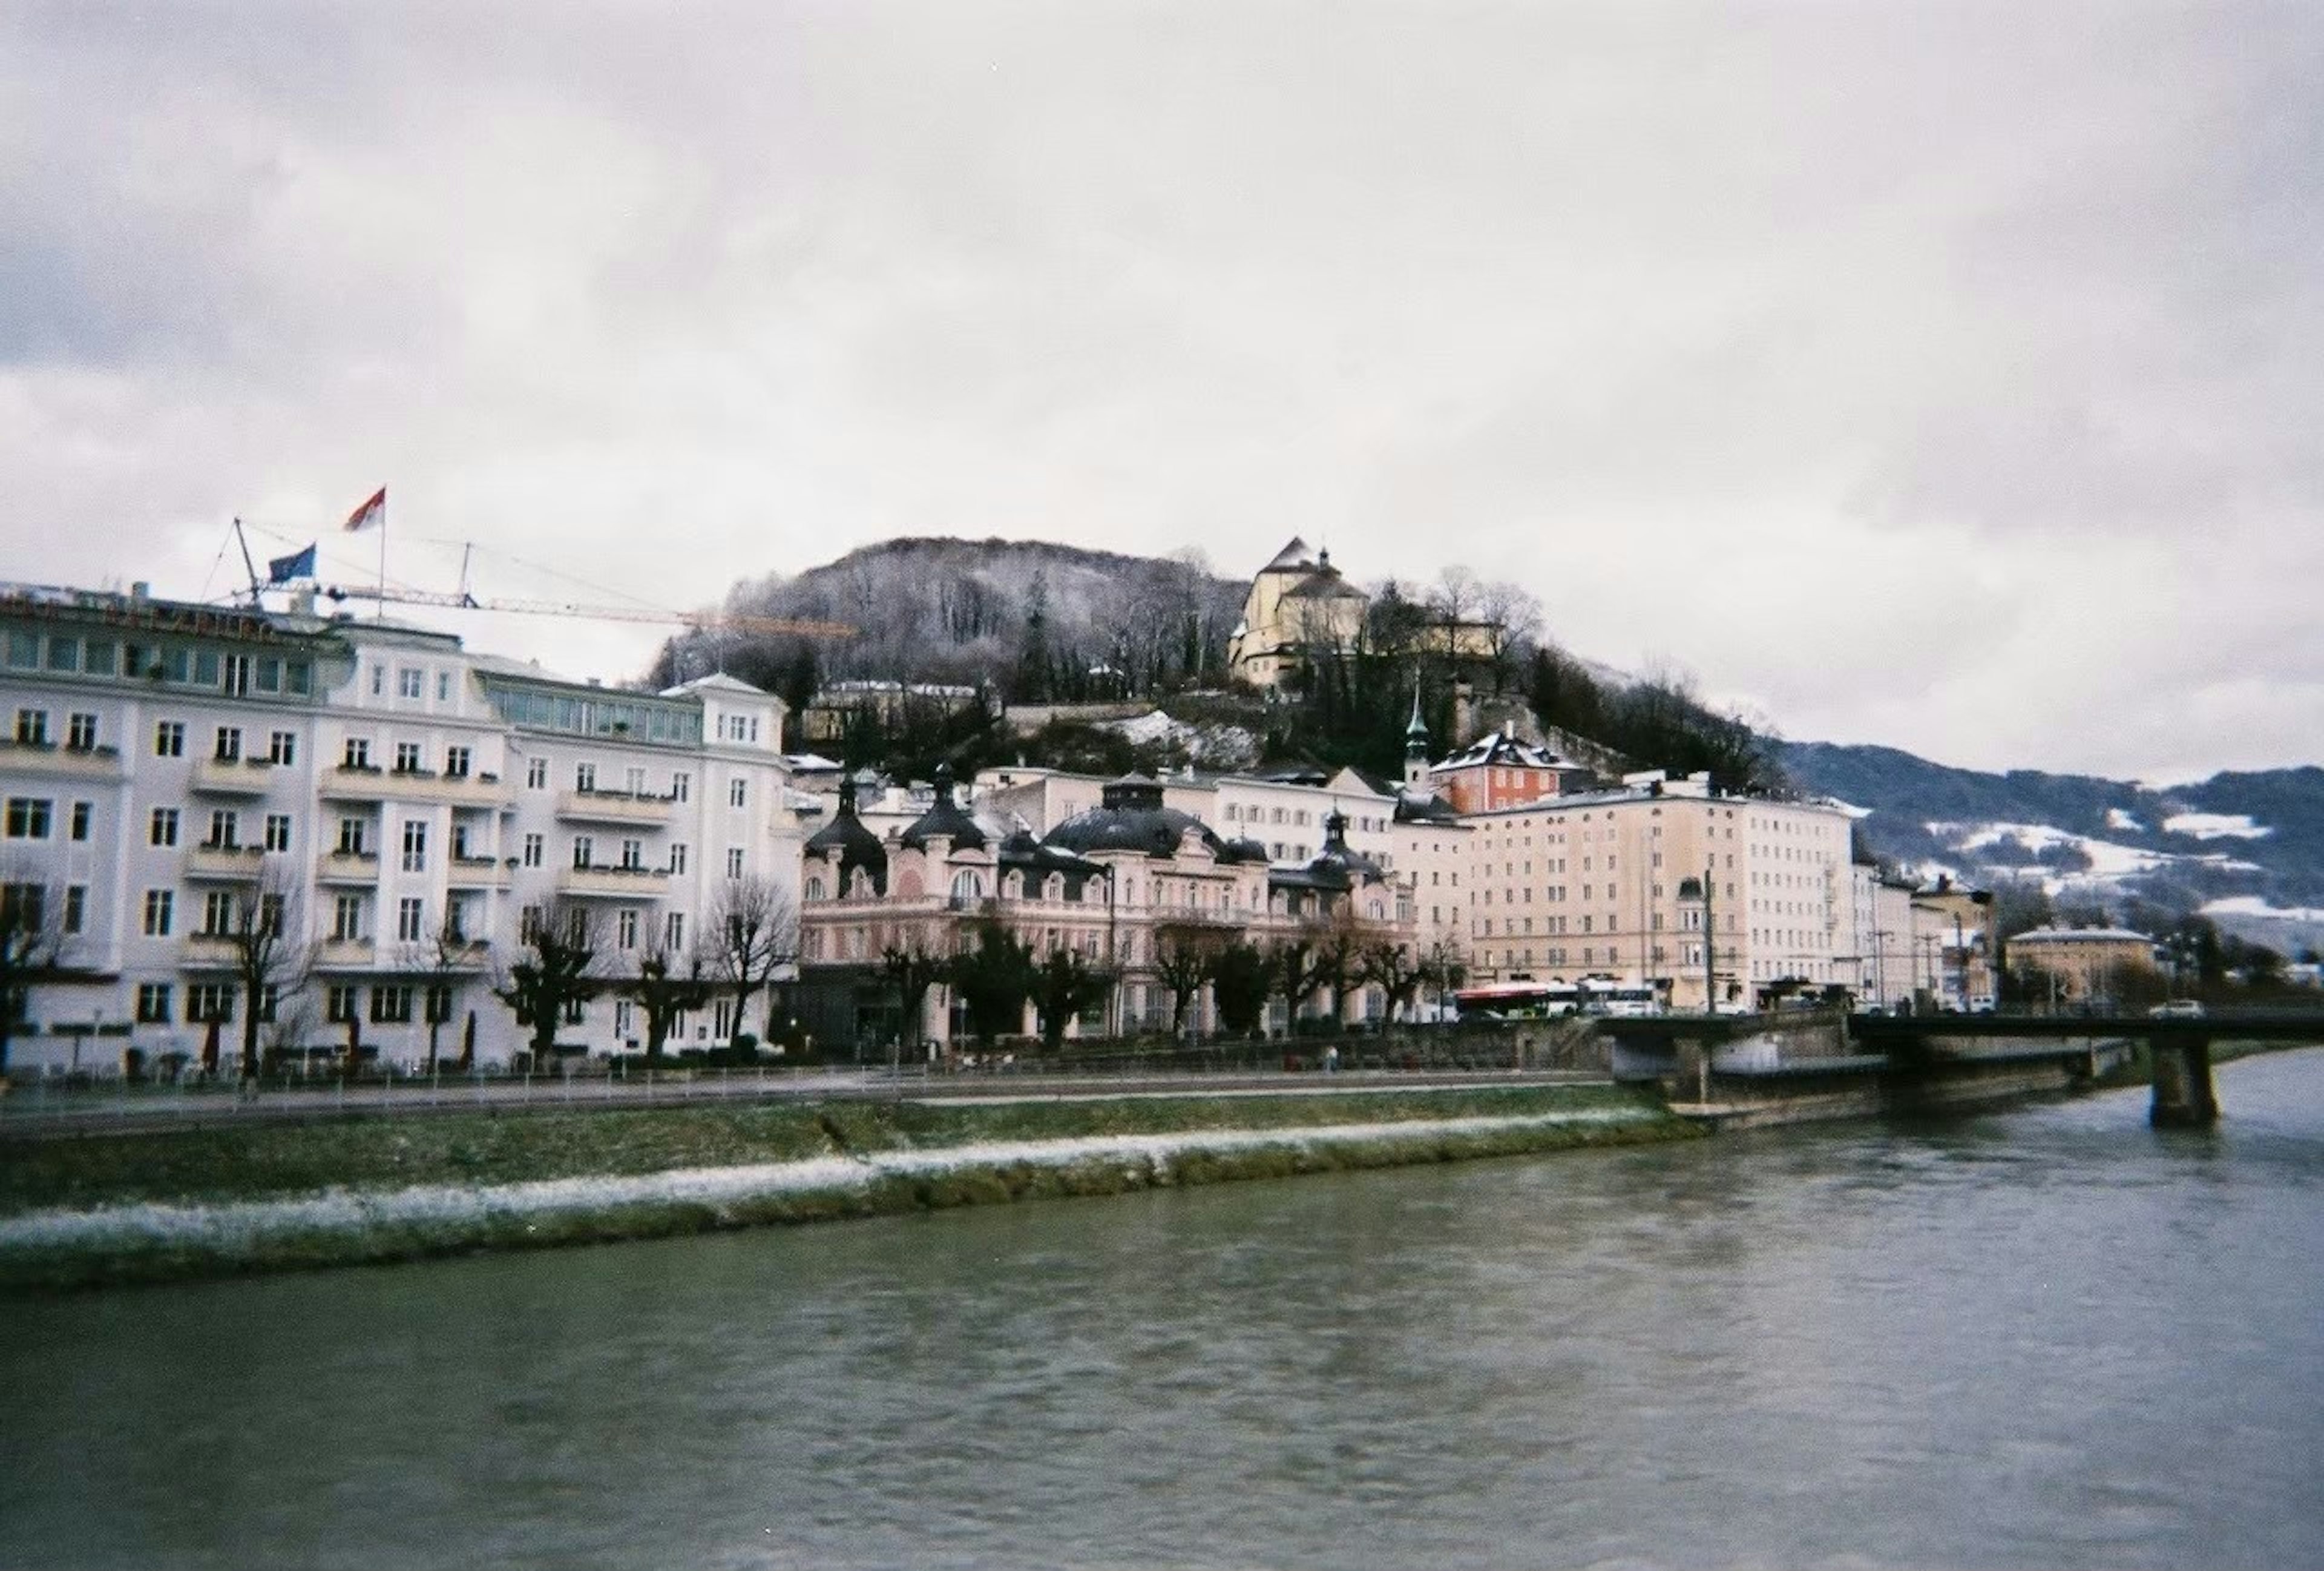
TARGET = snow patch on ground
(243,1222)
(2256,905)
(2216,826)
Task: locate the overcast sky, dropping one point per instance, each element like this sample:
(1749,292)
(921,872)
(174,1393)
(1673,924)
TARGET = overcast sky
(1945,376)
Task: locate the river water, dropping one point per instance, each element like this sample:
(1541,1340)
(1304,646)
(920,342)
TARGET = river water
(2048,1336)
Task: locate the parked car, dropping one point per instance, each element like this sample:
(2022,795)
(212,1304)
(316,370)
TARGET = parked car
(2177,1009)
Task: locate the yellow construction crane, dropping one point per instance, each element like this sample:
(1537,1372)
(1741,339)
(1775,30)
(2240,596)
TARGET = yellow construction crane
(700,620)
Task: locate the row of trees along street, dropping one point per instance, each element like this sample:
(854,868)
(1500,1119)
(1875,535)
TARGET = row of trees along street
(996,974)
(564,960)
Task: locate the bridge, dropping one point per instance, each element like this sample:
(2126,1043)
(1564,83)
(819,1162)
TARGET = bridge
(1925,1045)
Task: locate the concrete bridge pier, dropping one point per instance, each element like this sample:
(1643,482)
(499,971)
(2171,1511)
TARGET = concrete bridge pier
(2185,1097)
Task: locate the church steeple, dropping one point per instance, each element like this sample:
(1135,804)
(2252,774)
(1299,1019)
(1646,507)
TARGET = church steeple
(1416,745)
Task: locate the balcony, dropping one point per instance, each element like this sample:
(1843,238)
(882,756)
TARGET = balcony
(347,955)
(612,807)
(347,867)
(477,872)
(371,784)
(208,951)
(231,776)
(613,883)
(224,863)
(46,758)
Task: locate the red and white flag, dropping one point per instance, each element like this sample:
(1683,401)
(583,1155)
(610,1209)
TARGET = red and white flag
(374,511)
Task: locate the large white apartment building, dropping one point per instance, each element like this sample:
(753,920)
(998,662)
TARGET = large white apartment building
(1611,883)
(415,805)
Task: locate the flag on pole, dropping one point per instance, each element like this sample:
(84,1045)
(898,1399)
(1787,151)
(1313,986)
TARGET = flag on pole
(373,512)
(297,565)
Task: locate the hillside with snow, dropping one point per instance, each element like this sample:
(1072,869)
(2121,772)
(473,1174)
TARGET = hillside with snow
(2248,847)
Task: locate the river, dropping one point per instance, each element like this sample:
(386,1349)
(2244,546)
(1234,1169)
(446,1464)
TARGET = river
(2047,1337)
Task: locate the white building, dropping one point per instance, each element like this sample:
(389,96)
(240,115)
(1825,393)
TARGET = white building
(414,804)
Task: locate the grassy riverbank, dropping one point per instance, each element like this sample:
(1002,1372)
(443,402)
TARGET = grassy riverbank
(136,1207)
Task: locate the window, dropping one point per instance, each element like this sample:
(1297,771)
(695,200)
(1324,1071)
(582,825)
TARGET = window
(163,829)
(527,925)
(226,830)
(443,687)
(76,907)
(682,787)
(536,773)
(439,1003)
(415,845)
(456,763)
(81,813)
(347,918)
(28,817)
(391,1005)
(585,777)
(813,887)
(282,747)
(583,847)
(407,758)
(152,1004)
(33,727)
(455,920)
(633,854)
(533,847)
(278,831)
(738,793)
(169,739)
(673,929)
(354,837)
(735,862)
(80,732)
(237,675)
(625,930)
(410,682)
(160,906)
(339,1003)
(677,857)
(356,753)
(410,919)
(217,913)
(633,779)
(227,746)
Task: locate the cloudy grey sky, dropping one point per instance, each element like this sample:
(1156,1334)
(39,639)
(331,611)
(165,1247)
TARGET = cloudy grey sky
(1940,375)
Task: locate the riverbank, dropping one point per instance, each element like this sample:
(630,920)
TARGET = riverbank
(107,1209)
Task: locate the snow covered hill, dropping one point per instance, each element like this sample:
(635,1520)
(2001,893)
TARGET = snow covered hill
(2248,847)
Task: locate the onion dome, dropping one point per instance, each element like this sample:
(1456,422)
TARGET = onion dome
(857,845)
(947,818)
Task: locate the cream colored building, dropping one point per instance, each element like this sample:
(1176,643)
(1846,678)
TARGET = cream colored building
(1298,602)
(1610,883)
(2087,962)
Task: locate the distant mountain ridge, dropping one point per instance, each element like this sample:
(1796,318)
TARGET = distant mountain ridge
(2254,838)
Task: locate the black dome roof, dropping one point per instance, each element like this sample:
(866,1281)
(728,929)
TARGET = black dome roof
(857,845)
(946,817)
(1131,817)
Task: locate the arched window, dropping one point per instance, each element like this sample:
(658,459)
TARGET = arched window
(966,884)
(1054,887)
(1012,886)
(815,888)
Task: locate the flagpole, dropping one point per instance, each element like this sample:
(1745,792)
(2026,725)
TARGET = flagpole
(381,601)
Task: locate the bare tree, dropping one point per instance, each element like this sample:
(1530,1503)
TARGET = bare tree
(1184,952)
(32,941)
(1392,968)
(915,962)
(266,952)
(555,969)
(440,959)
(665,985)
(753,933)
